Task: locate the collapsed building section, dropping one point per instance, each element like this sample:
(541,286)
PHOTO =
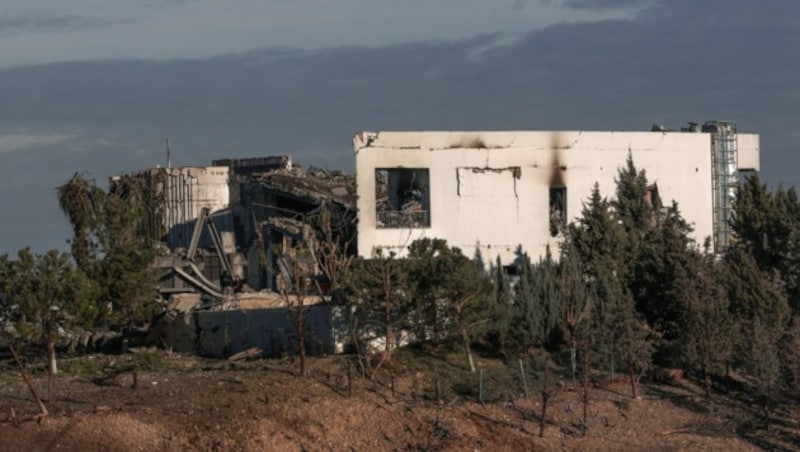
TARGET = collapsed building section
(227,234)
(289,205)
(230,225)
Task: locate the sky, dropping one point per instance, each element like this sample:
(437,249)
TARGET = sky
(96,87)
(40,31)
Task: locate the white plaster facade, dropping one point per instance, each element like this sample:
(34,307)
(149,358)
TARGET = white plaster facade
(492,189)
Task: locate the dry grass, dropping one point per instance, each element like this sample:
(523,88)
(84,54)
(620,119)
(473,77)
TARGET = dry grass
(418,402)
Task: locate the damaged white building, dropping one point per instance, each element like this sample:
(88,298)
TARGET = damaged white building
(497,190)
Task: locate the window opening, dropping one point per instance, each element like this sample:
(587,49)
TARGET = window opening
(402,197)
(558,210)
(745,174)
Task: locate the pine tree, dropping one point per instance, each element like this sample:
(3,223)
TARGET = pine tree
(705,339)
(536,312)
(444,273)
(790,355)
(609,239)
(577,301)
(502,303)
(767,226)
(109,245)
(631,204)
(598,240)
(663,274)
(45,295)
(761,317)
(125,272)
(753,211)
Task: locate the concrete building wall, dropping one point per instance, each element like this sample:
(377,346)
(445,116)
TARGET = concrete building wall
(224,333)
(749,152)
(186,191)
(492,189)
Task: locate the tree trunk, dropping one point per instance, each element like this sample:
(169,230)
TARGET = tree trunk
(611,359)
(42,409)
(51,357)
(585,390)
(573,364)
(52,367)
(465,337)
(633,379)
(545,396)
(707,370)
(387,352)
(630,353)
(390,341)
(301,338)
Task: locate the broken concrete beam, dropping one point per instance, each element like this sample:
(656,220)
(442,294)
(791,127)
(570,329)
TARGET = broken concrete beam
(244,354)
(183,302)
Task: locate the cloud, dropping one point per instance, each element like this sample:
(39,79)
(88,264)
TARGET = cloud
(723,13)
(600,5)
(23,140)
(690,62)
(146,29)
(485,44)
(49,23)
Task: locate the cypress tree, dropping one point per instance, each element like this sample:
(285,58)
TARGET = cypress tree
(502,302)
(767,227)
(597,239)
(761,315)
(536,309)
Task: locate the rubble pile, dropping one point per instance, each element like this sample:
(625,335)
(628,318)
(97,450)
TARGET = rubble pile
(314,185)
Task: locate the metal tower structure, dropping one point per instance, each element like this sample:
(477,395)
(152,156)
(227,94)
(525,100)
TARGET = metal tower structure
(725,178)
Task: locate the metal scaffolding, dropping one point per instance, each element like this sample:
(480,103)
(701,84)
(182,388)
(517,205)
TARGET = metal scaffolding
(725,178)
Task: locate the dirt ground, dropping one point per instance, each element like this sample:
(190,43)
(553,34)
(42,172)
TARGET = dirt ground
(187,403)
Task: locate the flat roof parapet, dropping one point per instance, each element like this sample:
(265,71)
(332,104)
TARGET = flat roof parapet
(252,165)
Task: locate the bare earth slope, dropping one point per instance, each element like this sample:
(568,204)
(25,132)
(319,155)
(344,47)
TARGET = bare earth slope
(183,403)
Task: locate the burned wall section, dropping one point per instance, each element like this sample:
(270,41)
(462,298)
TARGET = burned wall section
(557,219)
(558,210)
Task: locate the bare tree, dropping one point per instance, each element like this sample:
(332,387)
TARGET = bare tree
(296,284)
(42,408)
(442,274)
(333,243)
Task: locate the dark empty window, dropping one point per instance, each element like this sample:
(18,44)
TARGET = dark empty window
(652,198)
(558,210)
(745,174)
(402,197)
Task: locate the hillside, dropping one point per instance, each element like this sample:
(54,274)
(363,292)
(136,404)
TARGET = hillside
(183,403)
